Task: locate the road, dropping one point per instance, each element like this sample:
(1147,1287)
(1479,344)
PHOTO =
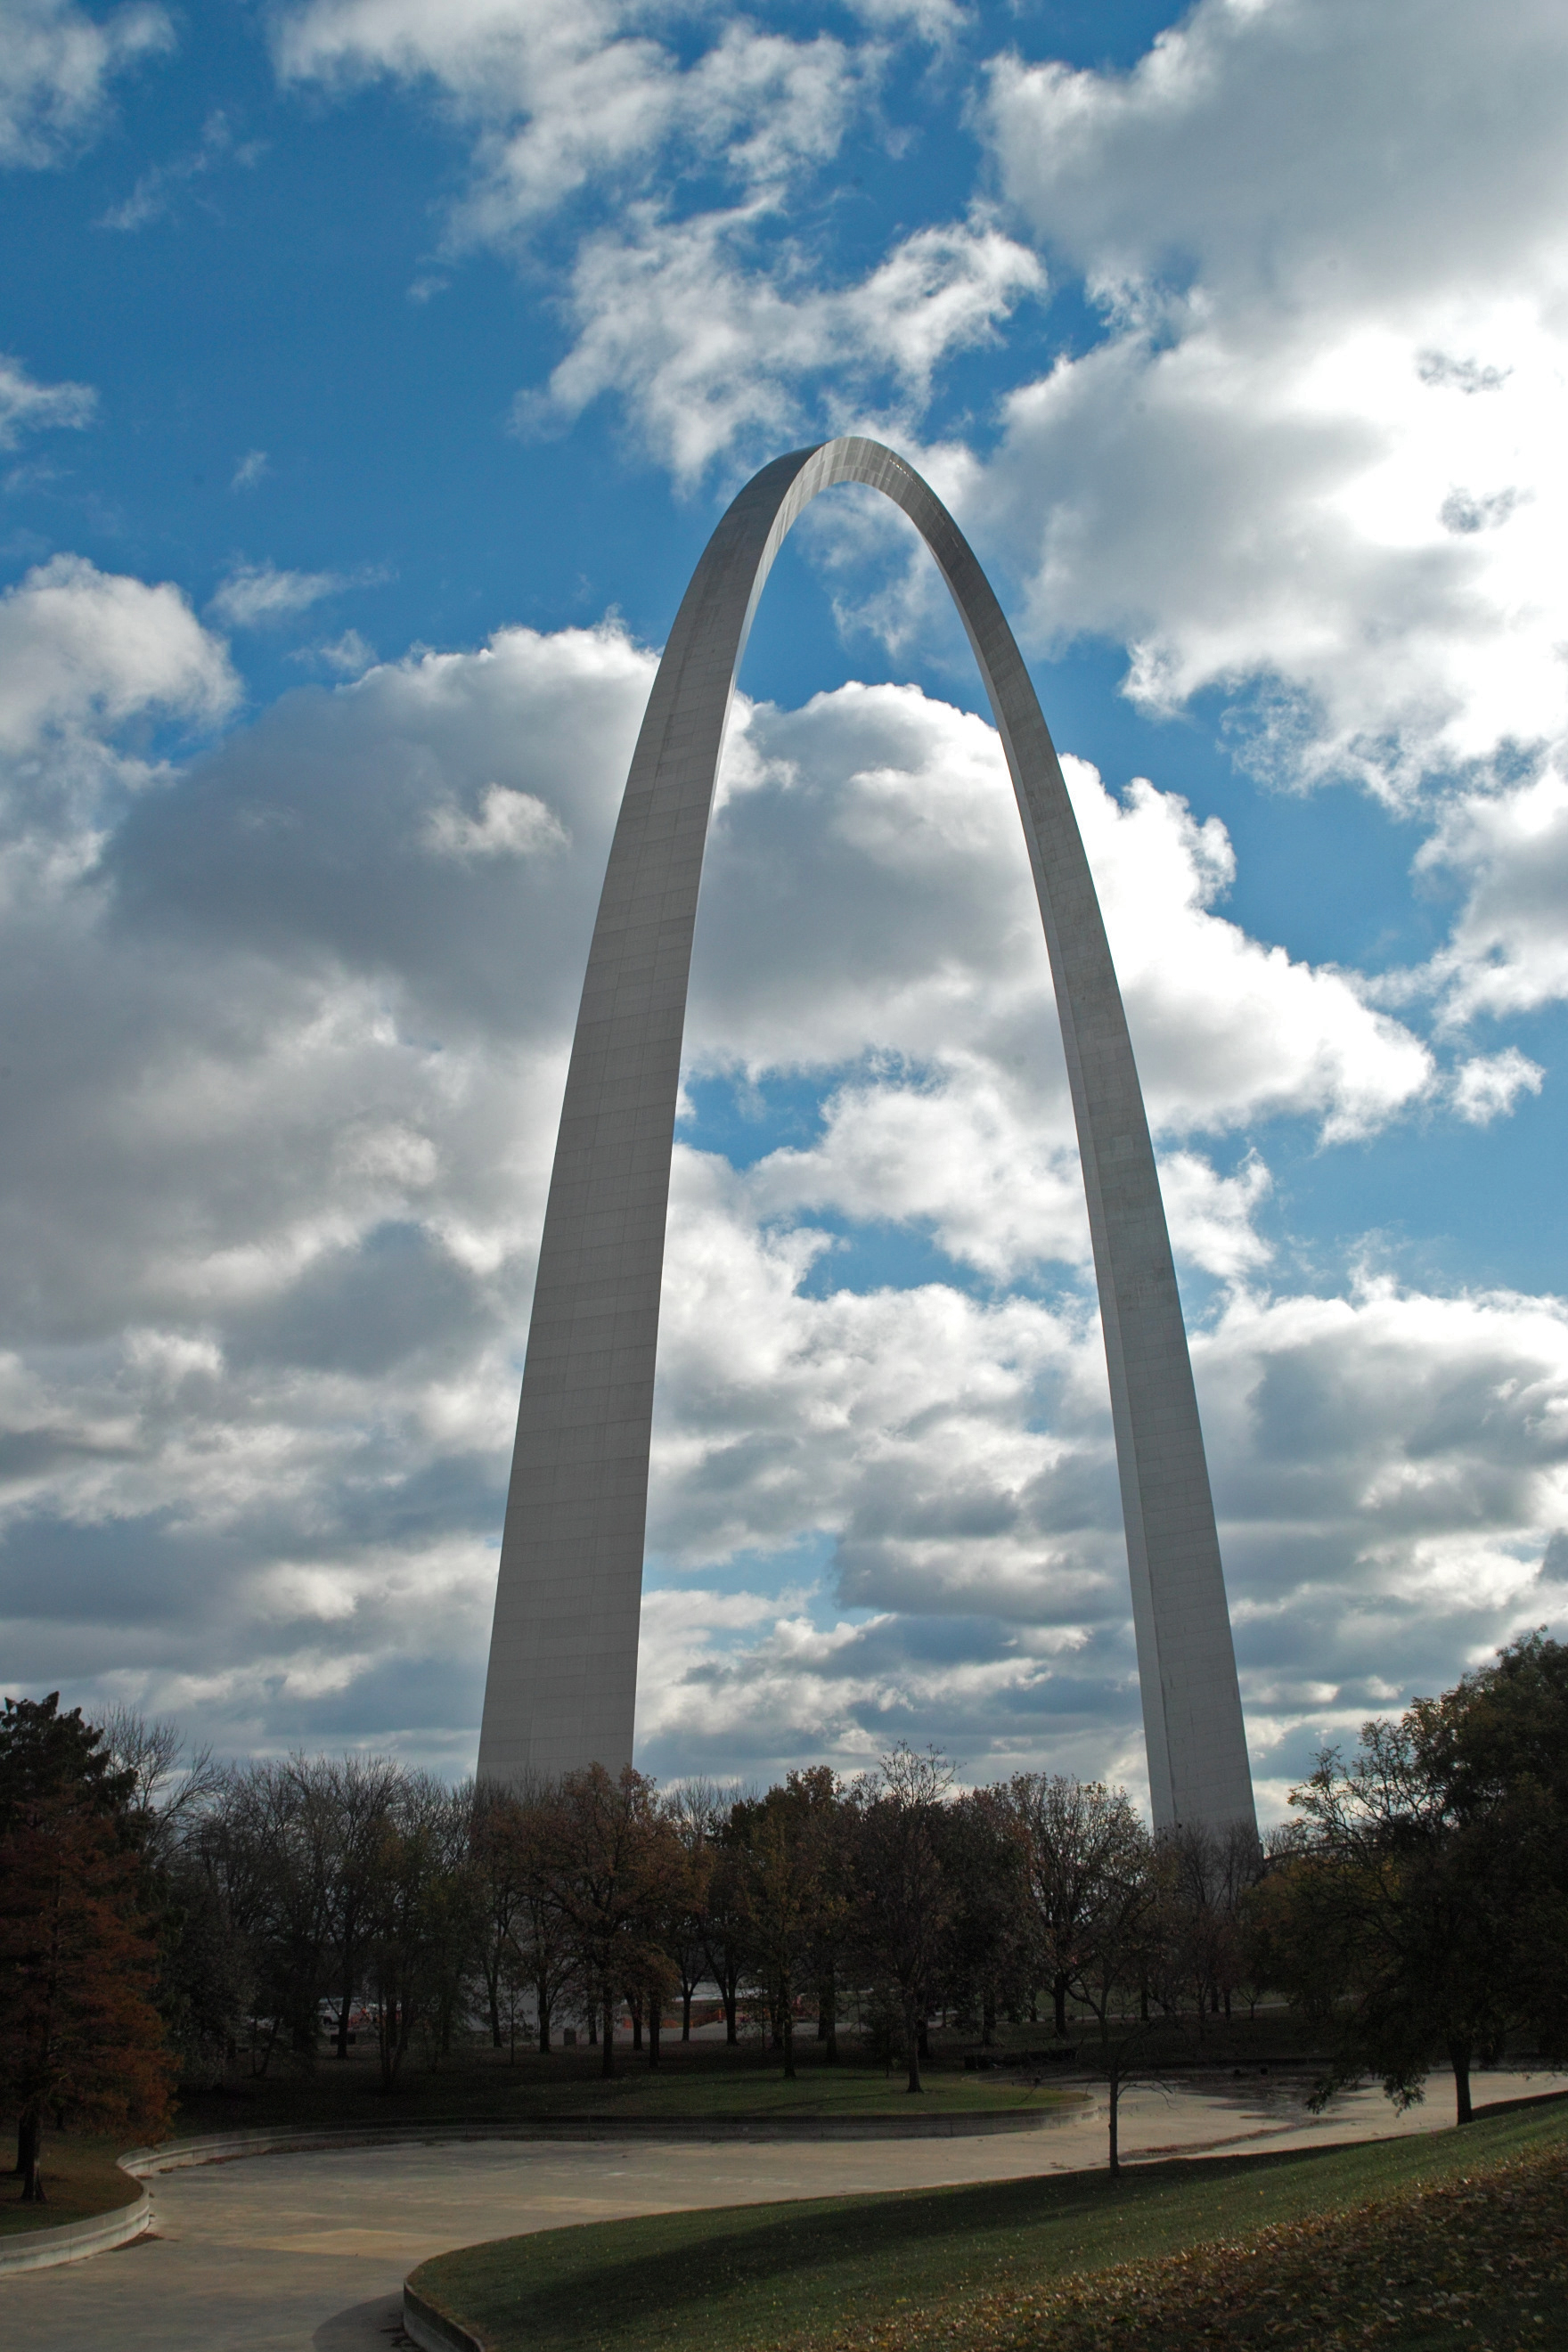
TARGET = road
(276,2253)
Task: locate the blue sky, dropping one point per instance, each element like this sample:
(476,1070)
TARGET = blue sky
(375,370)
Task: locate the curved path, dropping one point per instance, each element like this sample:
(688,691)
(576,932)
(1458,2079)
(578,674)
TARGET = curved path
(308,2252)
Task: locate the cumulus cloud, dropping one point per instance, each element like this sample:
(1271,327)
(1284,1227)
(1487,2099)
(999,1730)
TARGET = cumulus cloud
(870,894)
(83,654)
(561,99)
(1508,950)
(709,341)
(288,1039)
(712,323)
(56,65)
(1317,451)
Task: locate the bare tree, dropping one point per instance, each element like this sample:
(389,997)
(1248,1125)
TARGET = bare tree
(1072,1834)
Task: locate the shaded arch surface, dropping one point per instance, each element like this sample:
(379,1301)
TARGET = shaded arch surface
(562,1684)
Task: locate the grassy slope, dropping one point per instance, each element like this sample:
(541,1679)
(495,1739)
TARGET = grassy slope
(80,2178)
(916,2268)
(703,2080)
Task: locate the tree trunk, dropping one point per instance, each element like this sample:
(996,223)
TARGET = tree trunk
(348,2000)
(912,2042)
(607,2056)
(828,2020)
(634,2002)
(1059,1996)
(654,2021)
(787,2006)
(592,2026)
(542,2004)
(1115,2088)
(29,2147)
(923,2036)
(685,2016)
(988,2021)
(1460,2059)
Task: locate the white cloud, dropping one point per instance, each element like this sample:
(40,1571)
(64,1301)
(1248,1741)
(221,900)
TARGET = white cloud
(27,406)
(510,824)
(261,596)
(283,1075)
(561,99)
(55,64)
(1491,1084)
(1507,951)
(869,894)
(250,470)
(1319,448)
(82,651)
(709,341)
(152,197)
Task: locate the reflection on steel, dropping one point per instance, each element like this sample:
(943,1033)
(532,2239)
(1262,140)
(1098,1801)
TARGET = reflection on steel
(564,1654)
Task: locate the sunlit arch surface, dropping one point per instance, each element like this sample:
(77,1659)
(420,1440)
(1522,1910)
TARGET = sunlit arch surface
(562,1685)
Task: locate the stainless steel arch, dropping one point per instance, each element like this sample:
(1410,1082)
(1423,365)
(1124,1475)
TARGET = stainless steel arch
(562,1668)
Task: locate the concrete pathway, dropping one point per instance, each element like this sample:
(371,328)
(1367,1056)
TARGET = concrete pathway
(278,2253)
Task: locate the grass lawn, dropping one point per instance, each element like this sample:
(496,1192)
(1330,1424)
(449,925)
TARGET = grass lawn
(702,2080)
(80,2178)
(1015,2262)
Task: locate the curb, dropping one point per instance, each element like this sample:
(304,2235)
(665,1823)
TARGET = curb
(73,2242)
(432,2330)
(173,2156)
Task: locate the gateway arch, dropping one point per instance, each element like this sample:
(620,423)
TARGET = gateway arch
(564,1654)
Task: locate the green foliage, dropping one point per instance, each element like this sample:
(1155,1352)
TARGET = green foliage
(1424,1908)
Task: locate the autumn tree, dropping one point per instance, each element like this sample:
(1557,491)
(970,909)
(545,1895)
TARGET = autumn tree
(615,1869)
(786,1846)
(988,1949)
(79,2033)
(906,1899)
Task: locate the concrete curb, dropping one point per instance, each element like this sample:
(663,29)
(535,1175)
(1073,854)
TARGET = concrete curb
(73,2242)
(173,2156)
(432,2330)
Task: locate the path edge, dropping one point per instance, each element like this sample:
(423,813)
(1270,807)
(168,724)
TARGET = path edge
(73,2242)
(433,2330)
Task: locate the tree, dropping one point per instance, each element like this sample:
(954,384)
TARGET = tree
(205,1968)
(786,1847)
(906,1899)
(988,1946)
(1387,1923)
(79,2033)
(1073,1833)
(614,1868)
(358,1794)
(423,1919)
(697,1813)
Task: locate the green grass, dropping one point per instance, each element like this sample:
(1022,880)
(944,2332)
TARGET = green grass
(698,2082)
(916,2268)
(81,2178)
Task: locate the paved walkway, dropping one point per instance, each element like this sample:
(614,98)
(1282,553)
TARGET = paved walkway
(278,2253)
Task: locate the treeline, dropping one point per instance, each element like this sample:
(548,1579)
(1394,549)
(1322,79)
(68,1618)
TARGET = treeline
(216,1917)
(303,1896)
